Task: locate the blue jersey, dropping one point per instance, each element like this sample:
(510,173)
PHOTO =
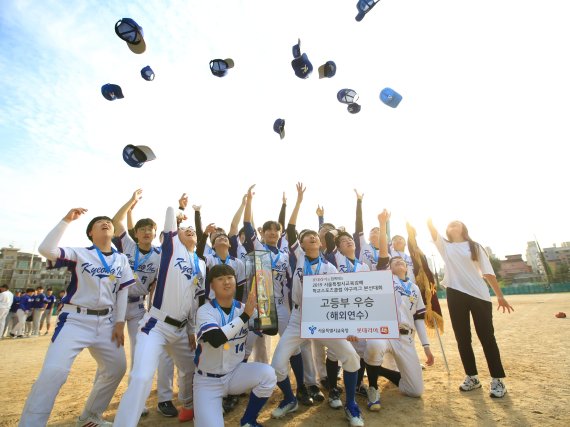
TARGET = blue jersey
(39,301)
(50,300)
(26,302)
(15,304)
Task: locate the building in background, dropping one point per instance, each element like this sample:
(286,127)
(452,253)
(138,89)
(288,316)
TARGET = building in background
(557,259)
(515,270)
(20,270)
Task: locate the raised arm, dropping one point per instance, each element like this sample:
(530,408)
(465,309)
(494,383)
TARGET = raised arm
(291,235)
(130,221)
(432,230)
(49,247)
(358,226)
(321,215)
(383,219)
(234,226)
(198,221)
(121,215)
(282,212)
(247,215)
(170,220)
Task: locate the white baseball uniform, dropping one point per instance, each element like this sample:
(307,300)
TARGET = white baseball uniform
(219,370)
(96,295)
(6,300)
(411,310)
(167,325)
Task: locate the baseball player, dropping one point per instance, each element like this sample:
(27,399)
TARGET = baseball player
(92,317)
(308,262)
(39,309)
(11,318)
(22,313)
(6,300)
(222,325)
(144,259)
(411,313)
(169,324)
(397,249)
(46,316)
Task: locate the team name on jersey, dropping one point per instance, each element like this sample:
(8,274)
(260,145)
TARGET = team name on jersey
(185,268)
(101,272)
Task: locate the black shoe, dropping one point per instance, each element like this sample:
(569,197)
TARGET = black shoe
(167,409)
(303,396)
(316,394)
(325,382)
(229,403)
(12,335)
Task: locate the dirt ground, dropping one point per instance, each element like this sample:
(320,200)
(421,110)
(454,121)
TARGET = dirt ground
(534,347)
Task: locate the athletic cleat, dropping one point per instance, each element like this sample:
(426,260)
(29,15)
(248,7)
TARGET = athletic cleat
(303,396)
(185,414)
(316,394)
(362,390)
(373,396)
(255,424)
(334,398)
(498,388)
(354,416)
(471,382)
(284,408)
(167,409)
(93,421)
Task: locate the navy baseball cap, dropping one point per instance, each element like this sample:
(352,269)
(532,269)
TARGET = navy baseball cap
(390,97)
(147,73)
(297,49)
(136,155)
(347,96)
(302,66)
(353,108)
(112,92)
(279,127)
(363,7)
(220,67)
(132,33)
(328,69)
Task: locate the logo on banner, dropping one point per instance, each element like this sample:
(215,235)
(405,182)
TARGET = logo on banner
(312,329)
(384,330)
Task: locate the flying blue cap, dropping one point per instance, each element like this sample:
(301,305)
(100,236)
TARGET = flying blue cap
(279,127)
(390,97)
(297,49)
(328,69)
(302,66)
(353,108)
(112,92)
(132,33)
(363,7)
(347,96)
(137,155)
(147,73)
(220,67)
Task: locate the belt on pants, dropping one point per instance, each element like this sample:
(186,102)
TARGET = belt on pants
(137,299)
(405,331)
(206,374)
(171,321)
(82,310)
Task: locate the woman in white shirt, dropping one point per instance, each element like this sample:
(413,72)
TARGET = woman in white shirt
(467,267)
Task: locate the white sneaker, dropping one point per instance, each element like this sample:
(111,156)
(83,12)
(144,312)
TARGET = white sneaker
(284,409)
(354,416)
(373,399)
(471,382)
(93,421)
(498,388)
(334,398)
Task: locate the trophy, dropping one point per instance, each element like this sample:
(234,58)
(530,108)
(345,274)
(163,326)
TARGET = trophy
(259,276)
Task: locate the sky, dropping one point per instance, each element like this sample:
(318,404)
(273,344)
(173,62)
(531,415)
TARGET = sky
(480,134)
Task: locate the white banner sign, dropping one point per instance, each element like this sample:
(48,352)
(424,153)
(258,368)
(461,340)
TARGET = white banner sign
(361,304)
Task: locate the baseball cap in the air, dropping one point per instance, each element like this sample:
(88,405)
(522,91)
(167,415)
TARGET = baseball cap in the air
(297,49)
(363,7)
(137,155)
(390,97)
(302,66)
(328,69)
(353,108)
(347,96)
(279,127)
(220,67)
(111,91)
(147,73)
(132,33)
